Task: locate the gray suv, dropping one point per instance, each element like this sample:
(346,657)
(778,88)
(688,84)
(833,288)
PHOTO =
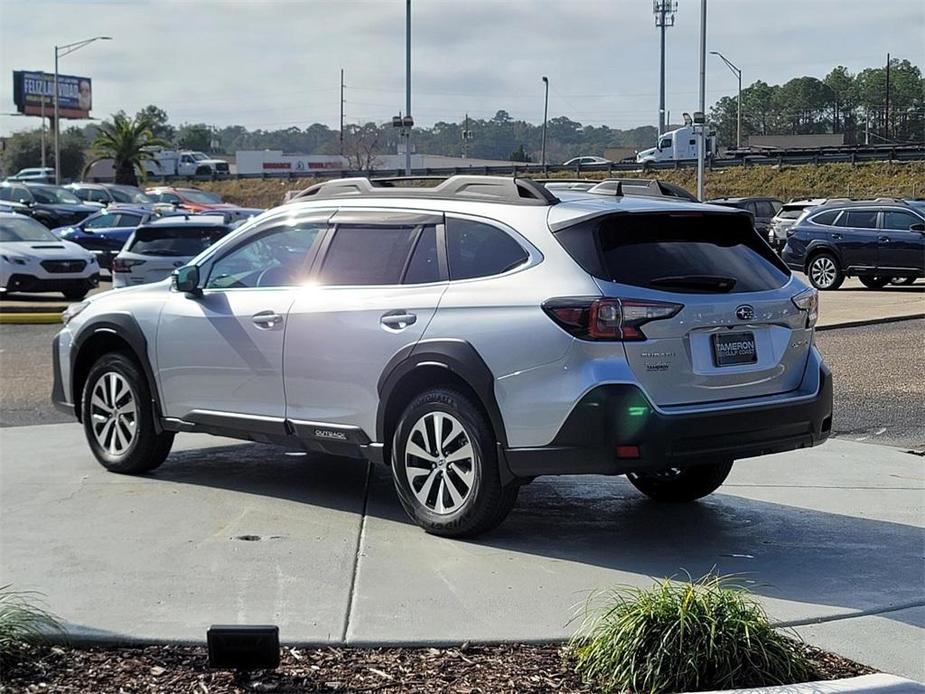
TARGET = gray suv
(472,336)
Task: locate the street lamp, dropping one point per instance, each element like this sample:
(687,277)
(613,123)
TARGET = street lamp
(738,73)
(60,52)
(545,114)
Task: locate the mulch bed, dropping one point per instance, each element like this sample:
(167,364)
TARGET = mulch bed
(463,670)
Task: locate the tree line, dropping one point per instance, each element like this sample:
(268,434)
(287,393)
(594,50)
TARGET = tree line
(857,105)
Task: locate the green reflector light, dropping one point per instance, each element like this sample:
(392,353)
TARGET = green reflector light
(638,411)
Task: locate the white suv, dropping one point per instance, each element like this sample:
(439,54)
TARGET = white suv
(472,336)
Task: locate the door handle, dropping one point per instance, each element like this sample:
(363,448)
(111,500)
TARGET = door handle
(884,239)
(836,237)
(398,319)
(267,320)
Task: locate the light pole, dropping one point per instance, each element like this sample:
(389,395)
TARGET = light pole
(545,115)
(60,52)
(408,86)
(664,17)
(738,73)
(702,140)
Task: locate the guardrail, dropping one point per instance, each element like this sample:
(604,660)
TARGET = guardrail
(899,154)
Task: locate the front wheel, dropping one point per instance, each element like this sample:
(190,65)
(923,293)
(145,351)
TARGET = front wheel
(875,282)
(445,466)
(824,273)
(679,485)
(118,417)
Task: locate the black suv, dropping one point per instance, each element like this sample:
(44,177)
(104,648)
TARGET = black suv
(877,241)
(762,209)
(53,206)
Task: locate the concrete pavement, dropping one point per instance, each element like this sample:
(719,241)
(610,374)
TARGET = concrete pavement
(854,303)
(226,532)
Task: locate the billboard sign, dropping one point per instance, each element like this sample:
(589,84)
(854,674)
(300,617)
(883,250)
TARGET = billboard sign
(31,89)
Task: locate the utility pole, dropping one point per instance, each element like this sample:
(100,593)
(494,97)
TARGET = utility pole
(702,140)
(466,136)
(545,115)
(44,83)
(664,17)
(341,112)
(886,113)
(408,86)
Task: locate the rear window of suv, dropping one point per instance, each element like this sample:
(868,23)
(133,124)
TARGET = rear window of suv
(699,253)
(179,242)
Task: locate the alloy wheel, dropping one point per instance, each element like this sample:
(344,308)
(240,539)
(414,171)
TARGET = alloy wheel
(113,413)
(440,462)
(823,271)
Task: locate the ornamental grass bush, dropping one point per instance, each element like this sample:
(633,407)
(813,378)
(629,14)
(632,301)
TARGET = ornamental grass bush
(682,636)
(22,621)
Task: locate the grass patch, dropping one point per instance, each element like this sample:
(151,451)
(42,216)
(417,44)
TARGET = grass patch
(23,622)
(683,636)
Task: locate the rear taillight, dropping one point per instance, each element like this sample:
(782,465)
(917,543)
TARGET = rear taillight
(123,265)
(607,319)
(808,301)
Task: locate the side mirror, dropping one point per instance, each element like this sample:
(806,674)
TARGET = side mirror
(186,280)
(917,227)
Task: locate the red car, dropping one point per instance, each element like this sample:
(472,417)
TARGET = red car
(190,199)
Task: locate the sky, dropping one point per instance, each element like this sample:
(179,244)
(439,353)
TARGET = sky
(276,63)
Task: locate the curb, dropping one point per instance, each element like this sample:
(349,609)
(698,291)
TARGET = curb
(869,321)
(29,318)
(864,683)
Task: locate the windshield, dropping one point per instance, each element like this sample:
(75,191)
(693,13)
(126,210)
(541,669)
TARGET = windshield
(200,196)
(199,156)
(178,242)
(129,194)
(25,229)
(52,195)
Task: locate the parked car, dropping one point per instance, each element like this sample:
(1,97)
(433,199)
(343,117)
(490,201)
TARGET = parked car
(33,260)
(35,175)
(786,217)
(876,242)
(191,199)
(105,233)
(53,206)
(132,195)
(587,161)
(763,210)
(160,246)
(472,336)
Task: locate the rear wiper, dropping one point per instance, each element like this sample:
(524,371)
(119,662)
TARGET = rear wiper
(714,283)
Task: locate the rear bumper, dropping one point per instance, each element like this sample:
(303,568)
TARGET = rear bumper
(620,415)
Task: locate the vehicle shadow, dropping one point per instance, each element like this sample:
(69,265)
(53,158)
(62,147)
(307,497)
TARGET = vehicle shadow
(889,289)
(780,551)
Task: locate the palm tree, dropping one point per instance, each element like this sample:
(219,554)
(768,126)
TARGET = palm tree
(128,142)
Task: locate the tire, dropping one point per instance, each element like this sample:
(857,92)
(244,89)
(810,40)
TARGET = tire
(874,282)
(75,294)
(688,484)
(824,273)
(129,444)
(425,483)
(902,281)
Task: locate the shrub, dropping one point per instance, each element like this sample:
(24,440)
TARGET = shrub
(683,636)
(22,621)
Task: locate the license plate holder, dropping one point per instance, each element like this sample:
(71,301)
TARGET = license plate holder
(734,349)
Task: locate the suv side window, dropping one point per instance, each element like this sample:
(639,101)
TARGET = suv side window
(276,258)
(763,208)
(104,221)
(368,254)
(899,220)
(859,219)
(128,220)
(423,266)
(475,249)
(825,218)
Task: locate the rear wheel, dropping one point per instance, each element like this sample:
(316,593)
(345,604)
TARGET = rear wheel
(445,466)
(678,485)
(824,273)
(118,417)
(874,282)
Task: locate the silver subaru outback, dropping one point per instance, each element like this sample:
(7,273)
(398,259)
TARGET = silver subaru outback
(472,336)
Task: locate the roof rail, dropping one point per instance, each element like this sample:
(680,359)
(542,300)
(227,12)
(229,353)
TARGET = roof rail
(502,189)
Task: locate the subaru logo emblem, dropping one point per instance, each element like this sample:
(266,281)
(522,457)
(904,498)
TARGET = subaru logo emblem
(745,312)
